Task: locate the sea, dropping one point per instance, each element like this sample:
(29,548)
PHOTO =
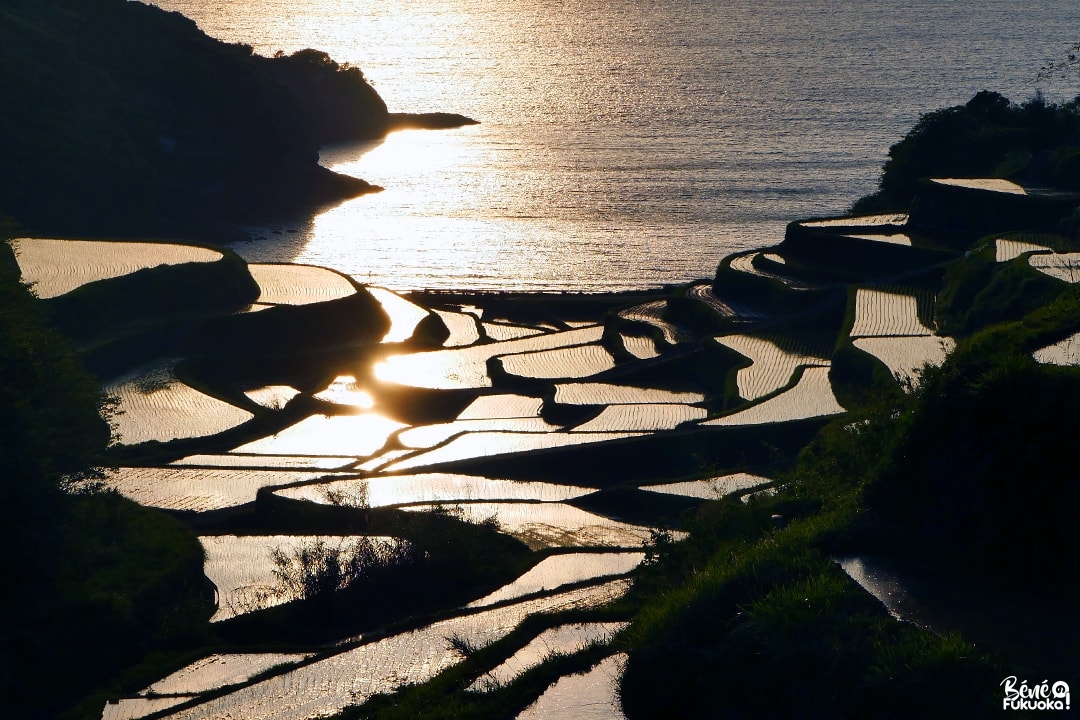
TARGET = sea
(625,144)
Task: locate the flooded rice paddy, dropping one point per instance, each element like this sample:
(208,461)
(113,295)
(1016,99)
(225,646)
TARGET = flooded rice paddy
(198,489)
(563,640)
(299,284)
(463,368)
(392,490)
(242,568)
(711,488)
(502,406)
(897,219)
(155,405)
(643,348)
(1006,250)
(648,417)
(547,525)
(489,444)
(1063,352)
(55,267)
(882,312)
(812,396)
(404,315)
(353,674)
(772,366)
(525,391)
(361,435)
(569,362)
(904,356)
(558,570)
(1063,266)
(591,696)
(610,394)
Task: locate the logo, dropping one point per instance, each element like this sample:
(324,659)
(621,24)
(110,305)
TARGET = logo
(1040,696)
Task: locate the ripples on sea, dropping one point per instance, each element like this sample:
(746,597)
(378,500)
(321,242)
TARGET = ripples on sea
(625,143)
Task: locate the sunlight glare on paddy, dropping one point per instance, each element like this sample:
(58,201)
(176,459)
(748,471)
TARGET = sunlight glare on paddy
(404,315)
(345,391)
(710,489)
(561,640)
(430,488)
(55,267)
(359,435)
(559,570)
(591,696)
(356,673)
(904,355)
(811,397)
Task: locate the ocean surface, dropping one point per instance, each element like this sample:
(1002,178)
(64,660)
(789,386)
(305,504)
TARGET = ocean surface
(626,143)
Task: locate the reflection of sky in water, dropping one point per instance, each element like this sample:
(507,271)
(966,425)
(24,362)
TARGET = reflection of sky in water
(710,489)
(432,487)
(559,570)
(564,640)
(360,435)
(467,367)
(591,696)
(482,444)
(541,525)
(354,674)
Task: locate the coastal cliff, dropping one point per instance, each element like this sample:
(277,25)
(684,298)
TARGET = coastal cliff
(121,118)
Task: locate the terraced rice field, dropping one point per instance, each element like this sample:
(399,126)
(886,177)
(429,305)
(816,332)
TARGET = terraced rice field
(355,674)
(217,671)
(344,390)
(710,489)
(338,435)
(591,696)
(262,462)
(299,284)
(502,406)
(1006,250)
(568,362)
(653,314)
(56,267)
(155,405)
(464,328)
(990,184)
(561,640)
(881,312)
(428,436)
(133,708)
(505,331)
(393,490)
(544,525)
(643,348)
(772,366)
(891,238)
(811,397)
(904,355)
(484,444)
(745,264)
(652,417)
(876,579)
(1064,352)
(242,568)
(1063,266)
(404,315)
(272,396)
(558,570)
(724,308)
(587,393)
(457,368)
(199,489)
(377,461)
(859,221)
